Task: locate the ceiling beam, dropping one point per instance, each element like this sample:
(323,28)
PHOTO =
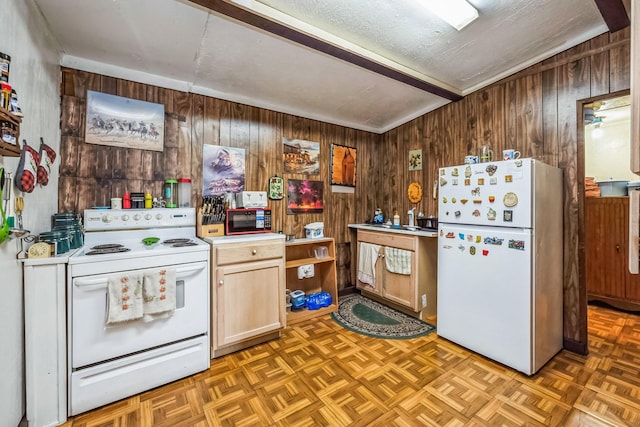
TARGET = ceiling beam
(614,14)
(255,20)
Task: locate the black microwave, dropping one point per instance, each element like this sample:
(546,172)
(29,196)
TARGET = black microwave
(248,220)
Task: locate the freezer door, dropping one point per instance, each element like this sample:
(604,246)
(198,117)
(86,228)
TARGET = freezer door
(496,194)
(484,292)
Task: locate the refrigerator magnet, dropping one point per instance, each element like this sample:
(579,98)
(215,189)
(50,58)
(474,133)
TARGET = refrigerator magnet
(475,191)
(510,199)
(453,200)
(451,235)
(508,178)
(492,199)
(467,172)
(493,241)
(491,215)
(507,216)
(478,239)
(472,250)
(441,171)
(443,182)
(444,200)
(493,181)
(476,213)
(516,244)
(461,236)
(454,172)
(464,201)
(457,213)
(467,181)
(454,181)
(491,169)
(480,181)
(461,247)
(485,252)
(469,237)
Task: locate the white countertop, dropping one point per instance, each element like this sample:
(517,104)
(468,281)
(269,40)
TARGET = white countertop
(420,232)
(240,238)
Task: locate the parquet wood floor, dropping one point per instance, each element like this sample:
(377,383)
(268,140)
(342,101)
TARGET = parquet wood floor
(319,374)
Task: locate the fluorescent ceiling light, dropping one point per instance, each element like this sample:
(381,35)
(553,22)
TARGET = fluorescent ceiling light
(457,13)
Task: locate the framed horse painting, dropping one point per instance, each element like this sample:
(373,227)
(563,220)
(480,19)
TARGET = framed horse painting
(124,122)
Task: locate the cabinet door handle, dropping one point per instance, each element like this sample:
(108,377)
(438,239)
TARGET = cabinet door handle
(617,248)
(221,282)
(253,252)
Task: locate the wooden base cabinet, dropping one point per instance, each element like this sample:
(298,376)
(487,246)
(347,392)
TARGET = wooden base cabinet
(606,224)
(415,293)
(302,252)
(248,294)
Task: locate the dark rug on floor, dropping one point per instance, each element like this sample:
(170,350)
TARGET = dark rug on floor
(368,317)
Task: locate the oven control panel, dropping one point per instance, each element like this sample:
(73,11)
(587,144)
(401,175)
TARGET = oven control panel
(125,219)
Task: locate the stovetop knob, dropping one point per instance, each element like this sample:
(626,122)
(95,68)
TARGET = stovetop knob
(147,217)
(106,218)
(159,216)
(137,217)
(125,217)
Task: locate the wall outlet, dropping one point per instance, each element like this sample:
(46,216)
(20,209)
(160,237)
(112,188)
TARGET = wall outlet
(424,300)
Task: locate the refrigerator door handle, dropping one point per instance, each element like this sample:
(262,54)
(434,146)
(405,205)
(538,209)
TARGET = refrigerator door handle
(634,232)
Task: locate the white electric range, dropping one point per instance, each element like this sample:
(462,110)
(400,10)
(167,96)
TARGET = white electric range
(107,361)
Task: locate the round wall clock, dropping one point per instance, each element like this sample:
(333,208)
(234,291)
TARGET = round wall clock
(39,250)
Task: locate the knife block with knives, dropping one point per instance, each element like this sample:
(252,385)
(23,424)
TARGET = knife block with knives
(211,217)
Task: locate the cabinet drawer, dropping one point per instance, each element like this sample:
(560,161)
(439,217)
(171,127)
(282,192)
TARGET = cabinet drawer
(248,252)
(409,243)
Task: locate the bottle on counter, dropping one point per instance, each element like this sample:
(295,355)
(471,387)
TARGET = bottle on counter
(184,192)
(171,193)
(396,219)
(126,200)
(148,201)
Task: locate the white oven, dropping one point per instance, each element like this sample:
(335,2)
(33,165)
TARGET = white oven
(111,361)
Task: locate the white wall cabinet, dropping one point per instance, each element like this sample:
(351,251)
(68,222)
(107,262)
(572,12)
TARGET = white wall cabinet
(46,340)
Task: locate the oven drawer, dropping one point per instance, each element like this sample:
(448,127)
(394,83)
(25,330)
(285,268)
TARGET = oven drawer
(248,252)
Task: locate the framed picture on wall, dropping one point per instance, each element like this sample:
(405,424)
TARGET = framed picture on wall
(223,170)
(304,196)
(415,160)
(124,122)
(343,165)
(300,156)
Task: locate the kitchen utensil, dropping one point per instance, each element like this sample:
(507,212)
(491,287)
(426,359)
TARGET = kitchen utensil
(149,241)
(486,154)
(4,231)
(19,209)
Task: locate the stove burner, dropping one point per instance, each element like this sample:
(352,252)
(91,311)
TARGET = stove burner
(108,246)
(183,244)
(109,250)
(174,241)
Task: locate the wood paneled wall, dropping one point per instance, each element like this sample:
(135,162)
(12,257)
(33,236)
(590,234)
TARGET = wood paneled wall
(535,112)
(90,175)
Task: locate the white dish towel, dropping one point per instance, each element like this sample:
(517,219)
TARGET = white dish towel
(367,258)
(125,297)
(159,293)
(398,260)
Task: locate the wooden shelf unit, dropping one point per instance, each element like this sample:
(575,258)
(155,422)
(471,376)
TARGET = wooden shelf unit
(6,149)
(301,252)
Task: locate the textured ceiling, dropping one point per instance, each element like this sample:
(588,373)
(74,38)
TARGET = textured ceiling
(179,44)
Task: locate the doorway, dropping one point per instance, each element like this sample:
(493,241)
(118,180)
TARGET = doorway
(604,157)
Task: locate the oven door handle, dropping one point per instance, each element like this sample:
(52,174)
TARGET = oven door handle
(180,272)
(92,284)
(103,282)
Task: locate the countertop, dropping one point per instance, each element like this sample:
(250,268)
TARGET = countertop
(420,232)
(244,238)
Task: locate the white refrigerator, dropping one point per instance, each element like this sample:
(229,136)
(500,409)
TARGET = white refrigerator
(500,252)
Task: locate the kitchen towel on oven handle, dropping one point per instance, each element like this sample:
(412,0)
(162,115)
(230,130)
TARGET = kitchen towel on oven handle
(125,297)
(159,293)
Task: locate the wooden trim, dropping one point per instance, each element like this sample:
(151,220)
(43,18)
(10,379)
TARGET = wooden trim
(614,14)
(546,66)
(575,346)
(251,18)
